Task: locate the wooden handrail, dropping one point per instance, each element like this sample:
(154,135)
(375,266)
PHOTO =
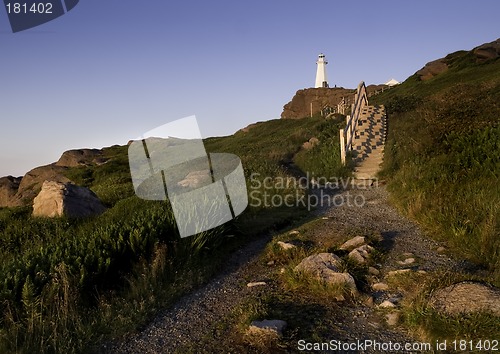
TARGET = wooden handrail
(346,134)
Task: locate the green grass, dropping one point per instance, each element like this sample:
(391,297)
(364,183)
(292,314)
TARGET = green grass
(442,157)
(431,325)
(67,284)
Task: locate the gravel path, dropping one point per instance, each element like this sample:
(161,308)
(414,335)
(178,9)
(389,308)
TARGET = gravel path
(193,316)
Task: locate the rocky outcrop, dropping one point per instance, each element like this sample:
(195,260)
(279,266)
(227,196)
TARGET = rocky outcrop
(81,157)
(58,199)
(8,189)
(33,180)
(480,54)
(432,69)
(321,98)
(487,51)
(22,190)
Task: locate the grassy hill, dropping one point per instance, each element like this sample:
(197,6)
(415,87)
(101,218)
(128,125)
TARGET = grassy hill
(68,283)
(442,158)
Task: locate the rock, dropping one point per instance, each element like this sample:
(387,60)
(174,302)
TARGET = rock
(352,243)
(355,256)
(308,145)
(373,271)
(196,179)
(466,297)
(32,182)
(421,272)
(398,272)
(441,249)
(392,318)
(265,327)
(321,98)
(286,246)
(57,199)
(380,286)
(361,254)
(257,283)
(270,263)
(369,301)
(81,157)
(408,254)
(8,189)
(294,232)
(487,51)
(432,69)
(407,261)
(386,304)
(326,267)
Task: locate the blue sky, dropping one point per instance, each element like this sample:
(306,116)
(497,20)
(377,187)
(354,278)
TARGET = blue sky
(110,70)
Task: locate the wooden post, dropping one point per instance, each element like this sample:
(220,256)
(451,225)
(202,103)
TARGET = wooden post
(311,109)
(342,146)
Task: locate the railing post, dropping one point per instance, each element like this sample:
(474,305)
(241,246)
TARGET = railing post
(342,146)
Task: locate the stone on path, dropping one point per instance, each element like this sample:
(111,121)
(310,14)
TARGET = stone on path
(380,286)
(407,261)
(373,271)
(398,272)
(467,297)
(275,327)
(392,318)
(327,267)
(361,254)
(285,245)
(352,243)
(257,283)
(387,304)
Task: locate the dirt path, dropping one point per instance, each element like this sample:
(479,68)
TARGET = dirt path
(201,314)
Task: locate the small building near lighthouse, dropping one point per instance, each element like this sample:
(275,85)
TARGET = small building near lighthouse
(321,78)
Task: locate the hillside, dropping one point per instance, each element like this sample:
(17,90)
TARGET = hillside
(68,284)
(442,157)
(83,274)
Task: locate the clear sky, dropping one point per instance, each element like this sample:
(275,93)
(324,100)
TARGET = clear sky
(110,70)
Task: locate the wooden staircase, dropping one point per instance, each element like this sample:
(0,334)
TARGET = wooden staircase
(369,140)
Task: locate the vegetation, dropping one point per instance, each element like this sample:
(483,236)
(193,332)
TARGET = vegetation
(442,163)
(70,283)
(442,157)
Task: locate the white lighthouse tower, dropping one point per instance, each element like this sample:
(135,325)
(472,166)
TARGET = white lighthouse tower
(321,80)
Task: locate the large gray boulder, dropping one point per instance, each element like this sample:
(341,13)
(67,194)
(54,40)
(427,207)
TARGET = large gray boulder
(66,199)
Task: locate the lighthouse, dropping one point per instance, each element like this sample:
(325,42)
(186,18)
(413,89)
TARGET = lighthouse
(321,80)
